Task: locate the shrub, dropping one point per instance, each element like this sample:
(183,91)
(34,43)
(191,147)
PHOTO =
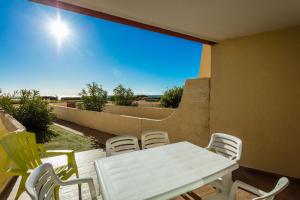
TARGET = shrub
(152,100)
(32,111)
(172,97)
(94,97)
(111,98)
(70,99)
(6,103)
(123,96)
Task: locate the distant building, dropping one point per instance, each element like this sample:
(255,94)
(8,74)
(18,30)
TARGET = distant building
(53,98)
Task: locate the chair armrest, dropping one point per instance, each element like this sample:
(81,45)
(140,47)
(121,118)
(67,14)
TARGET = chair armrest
(10,170)
(69,153)
(247,187)
(89,181)
(15,172)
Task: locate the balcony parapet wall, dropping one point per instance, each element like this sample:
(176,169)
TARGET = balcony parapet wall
(189,122)
(141,112)
(10,123)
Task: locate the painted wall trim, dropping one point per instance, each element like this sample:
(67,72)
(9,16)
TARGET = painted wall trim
(121,20)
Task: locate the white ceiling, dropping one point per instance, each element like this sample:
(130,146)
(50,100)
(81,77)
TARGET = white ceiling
(207,19)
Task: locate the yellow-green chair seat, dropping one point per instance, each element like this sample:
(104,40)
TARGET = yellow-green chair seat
(23,154)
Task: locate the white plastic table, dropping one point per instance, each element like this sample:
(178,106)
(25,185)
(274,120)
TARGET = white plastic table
(160,173)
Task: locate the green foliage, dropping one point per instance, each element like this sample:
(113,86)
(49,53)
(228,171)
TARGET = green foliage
(6,103)
(123,96)
(32,111)
(172,97)
(152,100)
(94,97)
(70,99)
(111,98)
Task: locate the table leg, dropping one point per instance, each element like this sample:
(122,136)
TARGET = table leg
(227,181)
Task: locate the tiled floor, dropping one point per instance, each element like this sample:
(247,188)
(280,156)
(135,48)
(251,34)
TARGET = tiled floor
(85,161)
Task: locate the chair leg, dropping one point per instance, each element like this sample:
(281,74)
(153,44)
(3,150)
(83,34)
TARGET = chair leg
(79,186)
(21,188)
(56,193)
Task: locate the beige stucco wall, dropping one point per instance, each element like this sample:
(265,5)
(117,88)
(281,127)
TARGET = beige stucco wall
(59,104)
(10,123)
(3,129)
(205,62)
(183,124)
(255,95)
(107,122)
(190,121)
(143,112)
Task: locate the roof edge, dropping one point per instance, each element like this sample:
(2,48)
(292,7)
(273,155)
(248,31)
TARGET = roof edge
(121,20)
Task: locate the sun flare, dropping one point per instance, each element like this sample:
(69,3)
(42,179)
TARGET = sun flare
(59,29)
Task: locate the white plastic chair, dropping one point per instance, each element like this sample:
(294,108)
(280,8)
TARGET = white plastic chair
(121,144)
(43,181)
(230,147)
(154,139)
(226,145)
(280,186)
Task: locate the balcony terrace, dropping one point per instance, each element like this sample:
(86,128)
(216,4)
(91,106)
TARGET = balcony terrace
(248,87)
(85,161)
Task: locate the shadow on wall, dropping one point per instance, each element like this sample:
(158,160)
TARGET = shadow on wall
(189,122)
(141,112)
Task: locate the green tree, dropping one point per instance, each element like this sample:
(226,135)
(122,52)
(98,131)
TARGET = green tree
(171,97)
(32,111)
(94,97)
(35,114)
(6,103)
(123,96)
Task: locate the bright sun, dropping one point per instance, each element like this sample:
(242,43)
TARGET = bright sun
(60,30)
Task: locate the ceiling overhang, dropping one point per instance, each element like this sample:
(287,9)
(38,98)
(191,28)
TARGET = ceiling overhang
(114,18)
(197,20)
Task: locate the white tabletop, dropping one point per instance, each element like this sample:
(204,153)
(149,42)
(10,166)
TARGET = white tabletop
(160,173)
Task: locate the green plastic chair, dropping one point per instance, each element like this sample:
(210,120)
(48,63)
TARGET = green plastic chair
(23,155)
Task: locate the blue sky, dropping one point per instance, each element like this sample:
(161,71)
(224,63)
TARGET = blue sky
(95,50)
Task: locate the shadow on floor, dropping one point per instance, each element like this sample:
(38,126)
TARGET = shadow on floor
(99,136)
(263,180)
(267,181)
(5,193)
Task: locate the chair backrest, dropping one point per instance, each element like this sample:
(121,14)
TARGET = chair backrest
(121,144)
(227,145)
(281,185)
(22,149)
(41,183)
(154,139)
